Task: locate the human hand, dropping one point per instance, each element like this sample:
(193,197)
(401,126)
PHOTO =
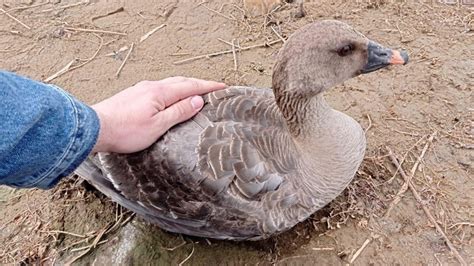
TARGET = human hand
(136,117)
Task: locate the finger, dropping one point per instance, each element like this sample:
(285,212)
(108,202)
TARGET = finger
(156,84)
(181,90)
(172,80)
(179,112)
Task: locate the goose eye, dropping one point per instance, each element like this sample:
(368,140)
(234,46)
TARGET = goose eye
(345,50)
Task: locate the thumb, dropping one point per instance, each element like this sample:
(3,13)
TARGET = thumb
(180,111)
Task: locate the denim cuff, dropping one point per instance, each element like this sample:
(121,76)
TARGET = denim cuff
(45,133)
(84,134)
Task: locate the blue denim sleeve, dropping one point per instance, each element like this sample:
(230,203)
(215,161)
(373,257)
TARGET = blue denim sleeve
(45,133)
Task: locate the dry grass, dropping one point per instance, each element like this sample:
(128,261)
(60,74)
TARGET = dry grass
(38,231)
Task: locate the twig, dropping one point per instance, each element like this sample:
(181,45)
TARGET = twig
(96,31)
(89,248)
(370,123)
(404,158)
(129,218)
(359,251)
(125,60)
(178,246)
(76,243)
(15,19)
(120,9)
(406,133)
(278,34)
(144,37)
(235,55)
(93,56)
(461,223)
(187,258)
(229,43)
(65,6)
(122,49)
(323,249)
(420,158)
(218,13)
(64,232)
(68,67)
(27,7)
(239,8)
(180,54)
(225,52)
(60,72)
(404,187)
(116,225)
(426,210)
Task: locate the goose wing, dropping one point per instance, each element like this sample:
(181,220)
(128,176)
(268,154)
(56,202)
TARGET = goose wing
(206,176)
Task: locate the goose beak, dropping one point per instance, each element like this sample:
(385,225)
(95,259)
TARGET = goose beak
(380,57)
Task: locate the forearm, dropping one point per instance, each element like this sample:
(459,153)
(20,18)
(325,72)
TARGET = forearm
(45,133)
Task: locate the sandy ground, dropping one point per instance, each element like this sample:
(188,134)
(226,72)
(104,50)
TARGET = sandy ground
(401,108)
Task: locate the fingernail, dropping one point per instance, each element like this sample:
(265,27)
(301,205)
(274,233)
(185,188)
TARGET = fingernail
(197,102)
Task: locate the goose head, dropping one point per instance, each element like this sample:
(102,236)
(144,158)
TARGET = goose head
(321,55)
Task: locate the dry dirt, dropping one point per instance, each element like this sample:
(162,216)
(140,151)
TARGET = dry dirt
(400,108)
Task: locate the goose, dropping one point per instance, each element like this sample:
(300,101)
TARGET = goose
(255,161)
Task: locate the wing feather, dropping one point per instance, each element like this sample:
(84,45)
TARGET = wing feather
(206,176)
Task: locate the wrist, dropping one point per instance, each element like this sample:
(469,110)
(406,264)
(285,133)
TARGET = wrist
(103,143)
